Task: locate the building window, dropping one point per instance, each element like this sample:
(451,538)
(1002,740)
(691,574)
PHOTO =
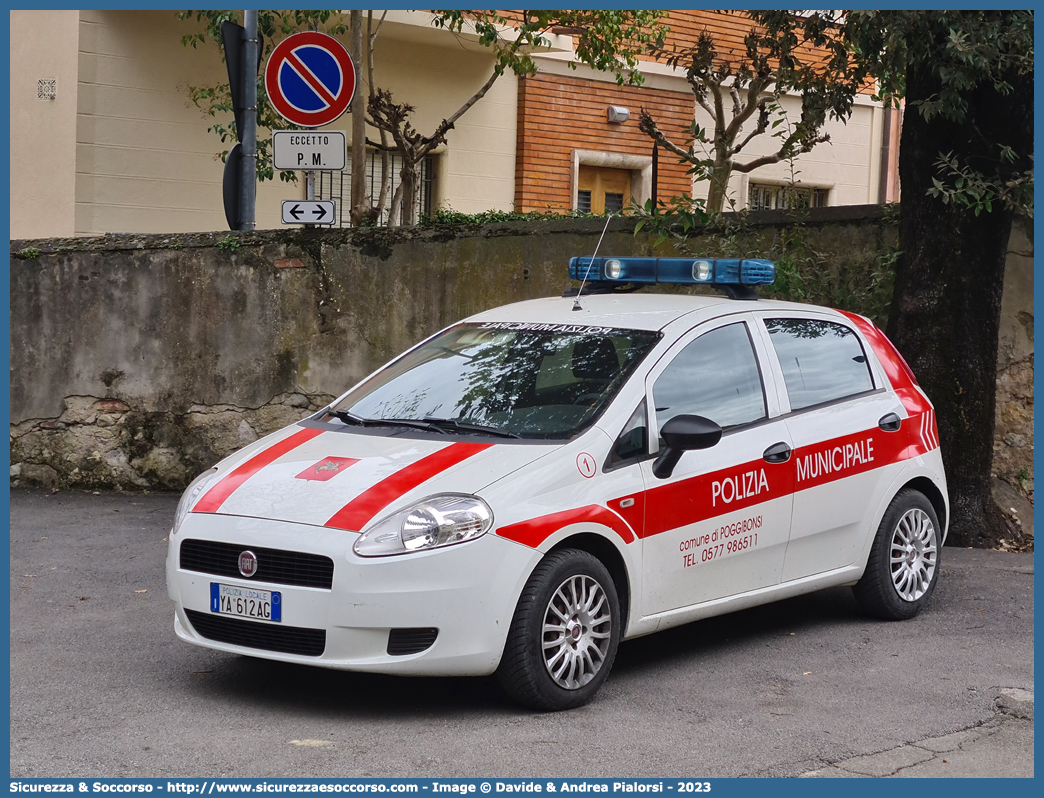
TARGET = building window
(607,190)
(337,186)
(611,202)
(762,197)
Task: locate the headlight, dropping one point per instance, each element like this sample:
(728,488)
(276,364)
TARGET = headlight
(437,521)
(188,498)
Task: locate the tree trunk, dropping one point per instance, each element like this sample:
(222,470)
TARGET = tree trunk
(719,185)
(386,176)
(395,209)
(409,191)
(360,204)
(945,314)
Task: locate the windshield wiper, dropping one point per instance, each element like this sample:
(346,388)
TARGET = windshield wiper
(440,425)
(464,426)
(348,418)
(356,421)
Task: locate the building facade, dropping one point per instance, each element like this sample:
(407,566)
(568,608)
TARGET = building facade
(105,136)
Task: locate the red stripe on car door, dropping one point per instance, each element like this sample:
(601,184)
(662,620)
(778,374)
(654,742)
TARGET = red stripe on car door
(705,496)
(216,496)
(536,530)
(358,512)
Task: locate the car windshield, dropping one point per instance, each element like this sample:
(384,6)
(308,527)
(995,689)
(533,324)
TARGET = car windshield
(524,380)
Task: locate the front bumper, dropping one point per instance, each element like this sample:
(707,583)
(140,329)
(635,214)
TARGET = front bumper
(467,592)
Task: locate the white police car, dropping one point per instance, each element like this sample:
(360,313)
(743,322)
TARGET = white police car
(526,488)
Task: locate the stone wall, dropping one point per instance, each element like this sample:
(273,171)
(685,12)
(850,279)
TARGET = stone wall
(139,361)
(1013,440)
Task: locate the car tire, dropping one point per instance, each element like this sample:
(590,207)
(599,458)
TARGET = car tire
(903,567)
(564,634)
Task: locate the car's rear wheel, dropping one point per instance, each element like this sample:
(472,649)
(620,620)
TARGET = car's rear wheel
(564,634)
(903,567)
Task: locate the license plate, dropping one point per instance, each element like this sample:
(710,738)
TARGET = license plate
(246,602)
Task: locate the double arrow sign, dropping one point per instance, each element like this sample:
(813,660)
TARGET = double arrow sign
(308,212)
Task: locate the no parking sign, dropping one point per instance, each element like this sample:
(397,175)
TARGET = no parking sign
(310,79)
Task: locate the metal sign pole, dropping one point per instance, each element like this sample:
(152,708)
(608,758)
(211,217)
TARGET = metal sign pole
(310,189)
(248,186)
(310,185)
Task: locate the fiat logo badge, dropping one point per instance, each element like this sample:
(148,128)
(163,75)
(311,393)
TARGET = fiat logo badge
(247,563)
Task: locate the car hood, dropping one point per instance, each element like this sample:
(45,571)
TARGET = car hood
(346,480)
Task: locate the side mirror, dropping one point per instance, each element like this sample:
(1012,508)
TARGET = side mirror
(684,434)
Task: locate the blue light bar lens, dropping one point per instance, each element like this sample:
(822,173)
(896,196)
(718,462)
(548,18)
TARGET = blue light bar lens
(585,268)
(674,270)
(679,271)
(726,272)
(754,271)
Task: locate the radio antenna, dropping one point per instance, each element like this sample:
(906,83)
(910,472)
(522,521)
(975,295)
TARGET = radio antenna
(590,263)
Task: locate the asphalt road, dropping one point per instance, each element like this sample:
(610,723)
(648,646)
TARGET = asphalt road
(100,686)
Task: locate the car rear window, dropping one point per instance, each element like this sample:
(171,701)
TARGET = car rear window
(821,361)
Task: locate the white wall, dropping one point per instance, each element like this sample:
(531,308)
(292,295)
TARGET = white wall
(847,165)
(477,169)
(145,161)
(43,132)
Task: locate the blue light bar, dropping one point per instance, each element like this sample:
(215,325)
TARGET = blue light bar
(683,271)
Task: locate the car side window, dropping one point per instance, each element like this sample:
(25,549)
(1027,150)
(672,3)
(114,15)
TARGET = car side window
(631,442)
(715,376)
(821,361)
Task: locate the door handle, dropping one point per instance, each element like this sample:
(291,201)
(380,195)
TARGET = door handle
(890,423)
(777,453)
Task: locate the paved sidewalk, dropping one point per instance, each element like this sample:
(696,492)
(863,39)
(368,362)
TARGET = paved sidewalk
(100,685)
(1000,747)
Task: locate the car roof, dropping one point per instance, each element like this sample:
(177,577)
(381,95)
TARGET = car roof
(626,311)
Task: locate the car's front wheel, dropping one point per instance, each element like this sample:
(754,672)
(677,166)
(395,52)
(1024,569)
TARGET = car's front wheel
(903,566)
(564,634)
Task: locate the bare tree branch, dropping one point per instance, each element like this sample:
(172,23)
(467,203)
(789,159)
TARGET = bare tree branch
(446,125)
(780,155)
(737,106)
(373,36)
(749,84)
(648,126)
(763,123)
(380,146)
(705,106)
(754,100)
